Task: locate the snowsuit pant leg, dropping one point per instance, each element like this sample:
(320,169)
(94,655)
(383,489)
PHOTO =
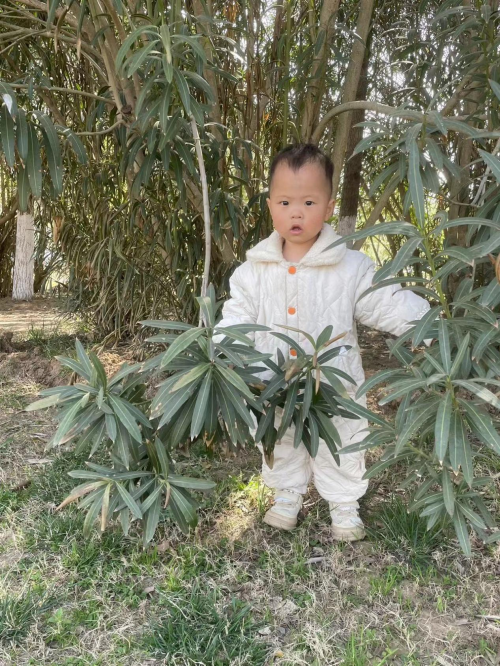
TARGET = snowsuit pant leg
(344,482)
(294,468)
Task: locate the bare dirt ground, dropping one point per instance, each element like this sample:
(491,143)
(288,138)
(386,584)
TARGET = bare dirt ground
(45,314)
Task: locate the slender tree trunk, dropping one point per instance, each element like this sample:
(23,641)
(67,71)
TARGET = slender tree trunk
(316,88)
(24,262)
(350,88)
(352,176)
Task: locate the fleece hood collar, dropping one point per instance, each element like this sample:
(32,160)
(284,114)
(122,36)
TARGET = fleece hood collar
(270,250)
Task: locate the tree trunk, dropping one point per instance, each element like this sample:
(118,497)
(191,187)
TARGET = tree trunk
(316,87)
(350,88)
(352,176)
(24,262)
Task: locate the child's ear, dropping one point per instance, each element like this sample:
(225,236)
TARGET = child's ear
(331,207)
(268,201)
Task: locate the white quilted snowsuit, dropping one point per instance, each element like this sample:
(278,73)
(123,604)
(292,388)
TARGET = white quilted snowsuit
(321,289)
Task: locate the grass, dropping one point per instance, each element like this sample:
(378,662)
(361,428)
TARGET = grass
(405,534)
(202,627)
(234,591)
(18,613)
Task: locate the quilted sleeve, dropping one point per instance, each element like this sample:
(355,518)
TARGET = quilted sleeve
(241,307)
(388,309)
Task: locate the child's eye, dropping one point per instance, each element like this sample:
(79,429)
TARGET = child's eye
(285,203)
(309,203)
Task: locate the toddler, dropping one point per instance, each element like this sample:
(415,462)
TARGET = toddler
(288,279)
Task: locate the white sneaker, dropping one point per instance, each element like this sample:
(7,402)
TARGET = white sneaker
(346,523)
(284,512)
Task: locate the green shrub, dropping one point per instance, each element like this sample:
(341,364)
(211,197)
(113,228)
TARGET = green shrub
(209,391)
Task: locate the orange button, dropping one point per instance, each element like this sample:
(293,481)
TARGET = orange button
(292,270)
(292,311)
(293,352)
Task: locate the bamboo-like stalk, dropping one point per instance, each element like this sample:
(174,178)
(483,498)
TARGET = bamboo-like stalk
(286,90)
(206,212)
(350,88)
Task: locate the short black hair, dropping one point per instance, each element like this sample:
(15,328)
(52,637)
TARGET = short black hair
(297,155)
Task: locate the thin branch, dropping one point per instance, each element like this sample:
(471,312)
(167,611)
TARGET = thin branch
(83,93)
(379,207)
(106,131)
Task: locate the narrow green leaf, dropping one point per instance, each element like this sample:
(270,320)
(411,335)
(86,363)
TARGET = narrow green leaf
(52,151)
(186,502)
(376,379)
(180,427)
(288,408)
(422,328)
(482,343)
(482,424)
(462,533)
(411,426)
(191,376)
(182,343)
(199,415)
(152,519)
(93,435)
(7,135)
(167,42)
(232,377)
(335,382)
(152,497)
(387,229)
(234,401)
(314,431)
(120,408)
(481,391)
(67,421)
(404,387)
(190,482)
(415,182)
(8,95)
(183,90)
(34,163)
(161,452)
(442,426)
(493,163)
(381,465)
(93,512)
(23,189)
(464,346)
(129,500)
(359,410)
(76,144)
(444,344)
(52,6)
(235,334)
(44,403)
(448,494)
(472,516)
(111,427)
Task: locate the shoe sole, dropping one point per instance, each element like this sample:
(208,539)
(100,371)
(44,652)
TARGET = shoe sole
(348,534)
(281,522)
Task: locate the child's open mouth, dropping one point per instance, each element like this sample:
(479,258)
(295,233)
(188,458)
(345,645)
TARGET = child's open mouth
(296,229)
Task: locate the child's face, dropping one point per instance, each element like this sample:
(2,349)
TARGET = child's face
(300,203)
